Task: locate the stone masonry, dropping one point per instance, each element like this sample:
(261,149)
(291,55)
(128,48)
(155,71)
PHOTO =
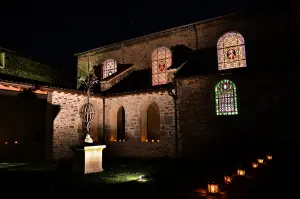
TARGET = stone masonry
(67,126)
(136,106)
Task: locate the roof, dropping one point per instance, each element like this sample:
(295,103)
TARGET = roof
(9,79)
(139,80)
(120,68)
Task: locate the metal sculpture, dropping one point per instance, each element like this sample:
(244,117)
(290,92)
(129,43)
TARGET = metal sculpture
(87,111)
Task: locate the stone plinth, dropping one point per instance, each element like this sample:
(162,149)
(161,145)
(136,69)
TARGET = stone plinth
(88,159)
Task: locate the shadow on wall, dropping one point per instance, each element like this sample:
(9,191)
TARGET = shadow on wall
(25,126)
(266,116)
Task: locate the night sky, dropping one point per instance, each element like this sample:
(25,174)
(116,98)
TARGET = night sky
(52,31)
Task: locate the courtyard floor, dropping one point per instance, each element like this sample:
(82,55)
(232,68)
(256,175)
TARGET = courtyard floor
(161,178)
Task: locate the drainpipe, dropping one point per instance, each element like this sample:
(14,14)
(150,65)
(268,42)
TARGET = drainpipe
(174,96)
(103,122)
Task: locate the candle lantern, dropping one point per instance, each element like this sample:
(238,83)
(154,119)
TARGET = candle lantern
(254,165)
(227,179)
(241,172)
(269,157)
(212,188)
(260,160)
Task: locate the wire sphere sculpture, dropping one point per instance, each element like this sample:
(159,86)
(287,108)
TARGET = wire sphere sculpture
(87,114)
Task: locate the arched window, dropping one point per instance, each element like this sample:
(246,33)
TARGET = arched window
(161,60)
(109,67)
(231,51)
(226,99)
(121,124)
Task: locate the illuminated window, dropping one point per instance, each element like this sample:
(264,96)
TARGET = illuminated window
(161,60)
(109,67)
(231,51)
(2,60)
(226,99)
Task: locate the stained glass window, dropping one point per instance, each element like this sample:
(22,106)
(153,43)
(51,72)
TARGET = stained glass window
(161,61)
(226,99)
(231,51)
(109,67)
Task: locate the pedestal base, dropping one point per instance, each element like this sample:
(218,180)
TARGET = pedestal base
(88,159)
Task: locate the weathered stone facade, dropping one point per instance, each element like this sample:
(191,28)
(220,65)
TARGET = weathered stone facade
(136,106)
(263,91)
(67,126)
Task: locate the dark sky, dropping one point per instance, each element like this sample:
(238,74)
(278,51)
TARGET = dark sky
(52,31)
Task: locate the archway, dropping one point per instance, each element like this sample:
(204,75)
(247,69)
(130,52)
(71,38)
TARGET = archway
(121,124)
(153,122)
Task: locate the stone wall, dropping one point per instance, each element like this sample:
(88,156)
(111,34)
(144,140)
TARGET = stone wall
(136,106)
(67,126)
(265,120)
(197,36)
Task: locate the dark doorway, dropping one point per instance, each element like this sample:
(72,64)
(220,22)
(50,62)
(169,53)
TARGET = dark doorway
(153,122)
(121,124)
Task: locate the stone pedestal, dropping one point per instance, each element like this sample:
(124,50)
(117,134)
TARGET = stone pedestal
(88,159)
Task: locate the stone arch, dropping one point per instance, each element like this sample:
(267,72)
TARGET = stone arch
(114,109)
(95,129)
(154,107)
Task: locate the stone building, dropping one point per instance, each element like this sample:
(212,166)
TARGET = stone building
(222,81)
(214,89)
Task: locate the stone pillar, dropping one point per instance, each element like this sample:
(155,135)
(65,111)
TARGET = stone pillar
(88,159)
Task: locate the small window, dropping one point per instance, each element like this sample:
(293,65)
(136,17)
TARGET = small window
(2,60)
(231,51)
(109,67)
(226,99)
(161,61)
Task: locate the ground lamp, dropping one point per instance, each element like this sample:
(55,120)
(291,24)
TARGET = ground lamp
(241,172)
(269,157)
(212,188)
(254,165)
(260,160)
(227,179)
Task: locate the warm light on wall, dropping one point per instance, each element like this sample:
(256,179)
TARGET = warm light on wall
(158,141)
(227,179)
(212,188)
(269,157)
(254,165)
(241,172)
(152,140)
(260,160)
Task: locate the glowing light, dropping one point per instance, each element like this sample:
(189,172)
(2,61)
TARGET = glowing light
(269,157)
(212,188)
(158,141)
(227,179)
(260,160)
(226,98)
(152,140)
(241,172)
(5,142)
(254,165)
(231,51)
(16,142)
(161,61)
